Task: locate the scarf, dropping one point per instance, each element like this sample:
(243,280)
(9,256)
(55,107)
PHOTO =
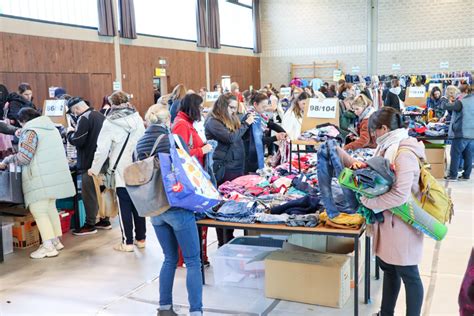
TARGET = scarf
(389,143)
(367,113)
(396,90)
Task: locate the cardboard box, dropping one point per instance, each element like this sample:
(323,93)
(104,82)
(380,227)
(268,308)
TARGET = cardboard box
(330,244)
(437,170)
(311,278)
(435,155)
(345,246)
(25,232)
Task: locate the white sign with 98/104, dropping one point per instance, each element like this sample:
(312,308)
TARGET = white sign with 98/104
(322,108)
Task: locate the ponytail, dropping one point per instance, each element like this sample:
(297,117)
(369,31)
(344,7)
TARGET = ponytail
(387,116)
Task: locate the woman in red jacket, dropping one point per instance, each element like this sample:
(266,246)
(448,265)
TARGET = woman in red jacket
(190,112)
(363,108)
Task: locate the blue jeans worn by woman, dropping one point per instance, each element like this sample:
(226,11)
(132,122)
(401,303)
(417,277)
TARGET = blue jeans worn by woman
(329,166)
(177,227)
(461,149)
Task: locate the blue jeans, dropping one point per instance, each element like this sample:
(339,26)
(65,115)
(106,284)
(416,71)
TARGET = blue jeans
(177,227)
(329,166)
(461,149)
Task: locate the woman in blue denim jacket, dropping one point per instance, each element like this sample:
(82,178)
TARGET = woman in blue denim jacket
(175,227)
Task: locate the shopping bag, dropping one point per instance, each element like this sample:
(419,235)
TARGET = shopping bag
(144,185)
(186,183)
(11,186)
(111,206)
(6,147)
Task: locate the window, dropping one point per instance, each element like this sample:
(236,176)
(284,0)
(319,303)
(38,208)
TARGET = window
(175,19)
(236,24)
(73,12)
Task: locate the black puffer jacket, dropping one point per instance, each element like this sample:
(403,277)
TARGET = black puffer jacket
(15,103)
(145,144)
(230,147)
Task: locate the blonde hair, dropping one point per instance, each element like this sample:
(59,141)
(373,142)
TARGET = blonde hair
(233,86)
(157,114)
(452,91)
(179,92)
(361,101)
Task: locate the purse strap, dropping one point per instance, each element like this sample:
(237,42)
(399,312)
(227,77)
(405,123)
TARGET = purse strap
(121,153)
(155,145)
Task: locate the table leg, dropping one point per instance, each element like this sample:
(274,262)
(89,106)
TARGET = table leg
(377,270)
(201,250)
(1,244)
(291,155)
(299,158)
(367,270)
(77,217)
(356,276)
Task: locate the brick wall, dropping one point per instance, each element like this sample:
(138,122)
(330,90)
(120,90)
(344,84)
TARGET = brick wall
(417,34)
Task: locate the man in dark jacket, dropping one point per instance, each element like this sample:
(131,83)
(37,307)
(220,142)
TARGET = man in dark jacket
(84,137)
(461,131)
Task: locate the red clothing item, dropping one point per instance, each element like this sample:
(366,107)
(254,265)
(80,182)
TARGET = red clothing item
(183,127)
(239,96)
(365,140)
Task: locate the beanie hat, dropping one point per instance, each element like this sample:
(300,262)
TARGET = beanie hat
(59,92)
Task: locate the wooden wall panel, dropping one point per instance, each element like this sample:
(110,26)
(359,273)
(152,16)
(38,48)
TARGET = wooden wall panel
(138,67)
(243,69)
(44,62)
(87,68)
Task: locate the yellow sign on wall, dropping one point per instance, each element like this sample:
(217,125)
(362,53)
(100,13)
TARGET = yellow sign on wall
(160,72)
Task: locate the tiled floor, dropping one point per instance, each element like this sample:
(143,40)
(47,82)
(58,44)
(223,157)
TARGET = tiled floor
(90,278)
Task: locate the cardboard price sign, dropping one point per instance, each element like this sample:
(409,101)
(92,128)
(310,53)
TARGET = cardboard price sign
(54,107)
(322,109)
(56,110)
(285,92)
(212,96)
(416,92)
(331,115)
(416,96)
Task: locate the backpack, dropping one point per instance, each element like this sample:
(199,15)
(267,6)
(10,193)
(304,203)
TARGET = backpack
(434,198)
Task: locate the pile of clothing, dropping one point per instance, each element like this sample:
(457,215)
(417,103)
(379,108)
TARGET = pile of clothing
(437,129)
(321,134)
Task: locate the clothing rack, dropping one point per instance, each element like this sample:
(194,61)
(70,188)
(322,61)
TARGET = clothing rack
(314,66)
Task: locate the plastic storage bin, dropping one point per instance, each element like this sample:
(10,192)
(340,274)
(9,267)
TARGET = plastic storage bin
(234,265)
(7,237)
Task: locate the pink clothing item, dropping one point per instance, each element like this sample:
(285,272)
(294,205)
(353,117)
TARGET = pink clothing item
(396,242)
(248,182)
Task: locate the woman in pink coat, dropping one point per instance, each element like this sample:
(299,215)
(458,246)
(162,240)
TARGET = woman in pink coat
(397,245)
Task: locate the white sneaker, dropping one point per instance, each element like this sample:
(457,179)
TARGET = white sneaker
(44,252)
(123,247)
(58,245)
(140,244)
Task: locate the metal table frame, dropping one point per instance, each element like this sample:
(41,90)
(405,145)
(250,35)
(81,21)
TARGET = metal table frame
(355,234)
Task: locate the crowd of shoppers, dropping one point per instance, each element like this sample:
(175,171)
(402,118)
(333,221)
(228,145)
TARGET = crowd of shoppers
(242,125)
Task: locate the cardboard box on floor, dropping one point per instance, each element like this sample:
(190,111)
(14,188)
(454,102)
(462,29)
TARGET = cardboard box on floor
(332,244)
(311,278)
(435,155)
(437,170)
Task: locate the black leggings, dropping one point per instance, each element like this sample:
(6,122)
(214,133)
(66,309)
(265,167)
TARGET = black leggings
(129,218)
(393,275)
(228,232)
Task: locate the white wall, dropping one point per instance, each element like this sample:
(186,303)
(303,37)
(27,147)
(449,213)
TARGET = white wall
(417,34)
